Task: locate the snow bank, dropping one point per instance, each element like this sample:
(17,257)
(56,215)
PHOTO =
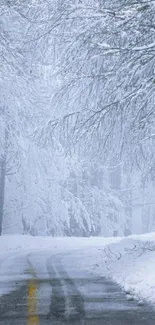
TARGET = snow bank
(20,243)
(131,263)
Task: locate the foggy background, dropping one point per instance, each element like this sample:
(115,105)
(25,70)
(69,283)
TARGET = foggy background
(77,117)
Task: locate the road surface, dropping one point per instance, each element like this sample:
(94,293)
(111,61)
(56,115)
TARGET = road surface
(71,296)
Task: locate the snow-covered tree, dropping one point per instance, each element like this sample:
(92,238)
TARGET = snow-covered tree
(105,64)
(76,116)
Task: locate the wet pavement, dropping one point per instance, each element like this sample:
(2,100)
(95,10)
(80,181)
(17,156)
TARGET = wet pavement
(71,297)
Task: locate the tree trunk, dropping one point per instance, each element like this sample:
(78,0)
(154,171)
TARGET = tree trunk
(2,179)
(2,188)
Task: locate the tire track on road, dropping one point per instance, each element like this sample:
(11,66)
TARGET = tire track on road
(66,302)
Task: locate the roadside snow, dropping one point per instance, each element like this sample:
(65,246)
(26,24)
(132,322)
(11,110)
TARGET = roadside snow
(130,262)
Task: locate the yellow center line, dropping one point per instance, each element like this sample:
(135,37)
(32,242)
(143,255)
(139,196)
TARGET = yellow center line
(33,318)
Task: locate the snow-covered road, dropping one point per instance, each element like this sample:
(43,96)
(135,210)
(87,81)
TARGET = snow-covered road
(75,279)
(66,294)
(17,248)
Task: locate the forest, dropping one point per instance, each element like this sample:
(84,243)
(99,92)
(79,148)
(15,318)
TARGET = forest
(77,117)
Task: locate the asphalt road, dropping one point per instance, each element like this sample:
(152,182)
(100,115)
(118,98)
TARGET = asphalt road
(73,298)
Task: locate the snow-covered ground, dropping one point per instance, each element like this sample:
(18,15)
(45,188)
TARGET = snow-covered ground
(128,261)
